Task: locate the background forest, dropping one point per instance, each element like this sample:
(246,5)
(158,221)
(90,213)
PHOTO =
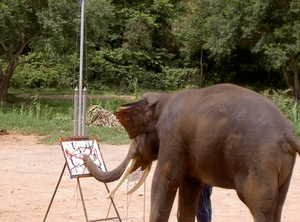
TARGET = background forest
(150,44)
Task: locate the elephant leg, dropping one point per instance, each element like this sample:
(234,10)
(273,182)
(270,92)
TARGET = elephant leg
(162,197)
(260,194)
(189,194)
(168,175)
(282,192)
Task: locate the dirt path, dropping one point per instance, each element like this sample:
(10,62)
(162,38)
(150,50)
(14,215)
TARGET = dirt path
(30,171)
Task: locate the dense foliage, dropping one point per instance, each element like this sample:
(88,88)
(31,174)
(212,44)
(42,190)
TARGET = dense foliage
(153,44)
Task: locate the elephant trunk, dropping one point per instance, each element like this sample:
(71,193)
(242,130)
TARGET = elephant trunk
(105,177)
(120,173)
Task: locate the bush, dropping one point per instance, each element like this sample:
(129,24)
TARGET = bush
(42,73)
(287,105)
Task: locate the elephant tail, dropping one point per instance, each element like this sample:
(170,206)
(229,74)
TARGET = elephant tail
(295,144)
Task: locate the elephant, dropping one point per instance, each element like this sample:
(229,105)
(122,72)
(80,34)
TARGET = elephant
(222,135)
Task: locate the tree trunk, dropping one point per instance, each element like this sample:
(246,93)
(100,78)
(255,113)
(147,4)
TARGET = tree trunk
(201,65)
(296,79)
(6,77)
(295,86)
(3,92)
(4,85)
(13,63)
(287,77)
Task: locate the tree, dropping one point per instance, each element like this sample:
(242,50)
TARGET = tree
(191,30)
(280,40)
(28,27)
(18,28)
(139,46)
(269,29)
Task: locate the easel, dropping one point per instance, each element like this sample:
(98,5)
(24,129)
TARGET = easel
(84,139)
(136,176)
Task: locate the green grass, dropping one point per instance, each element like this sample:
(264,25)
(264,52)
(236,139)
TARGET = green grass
(53,118)
(40,91)
(287,105)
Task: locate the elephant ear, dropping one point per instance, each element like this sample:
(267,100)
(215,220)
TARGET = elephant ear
(136,117)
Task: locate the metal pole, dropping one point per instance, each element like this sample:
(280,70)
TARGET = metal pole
(81,68)
(75,130)
(84,110)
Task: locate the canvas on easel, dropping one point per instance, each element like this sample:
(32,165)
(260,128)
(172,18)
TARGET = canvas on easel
(74,148)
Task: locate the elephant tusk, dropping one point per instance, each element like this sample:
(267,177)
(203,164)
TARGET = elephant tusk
(124,107)
(142,180)
(123,177)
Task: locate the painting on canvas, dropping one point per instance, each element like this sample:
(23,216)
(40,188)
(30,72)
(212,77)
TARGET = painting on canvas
(73,151)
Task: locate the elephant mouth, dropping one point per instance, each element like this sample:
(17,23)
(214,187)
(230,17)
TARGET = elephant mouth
(126,173)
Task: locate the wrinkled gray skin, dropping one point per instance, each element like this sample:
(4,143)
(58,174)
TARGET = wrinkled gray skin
(223,135)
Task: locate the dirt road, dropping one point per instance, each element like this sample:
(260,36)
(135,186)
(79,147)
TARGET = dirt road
(30,171)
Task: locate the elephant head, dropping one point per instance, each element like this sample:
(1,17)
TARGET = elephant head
(223,135)
(139,119)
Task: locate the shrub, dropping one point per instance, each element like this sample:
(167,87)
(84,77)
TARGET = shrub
(287,105)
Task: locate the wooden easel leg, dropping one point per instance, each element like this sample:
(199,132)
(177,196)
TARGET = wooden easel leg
(57,185)
(144,209)
(84,207)
(128,202)
(113,203)
(82,200)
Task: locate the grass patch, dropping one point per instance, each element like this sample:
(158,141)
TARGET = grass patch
(287,105)
(53,118)
(106,135)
